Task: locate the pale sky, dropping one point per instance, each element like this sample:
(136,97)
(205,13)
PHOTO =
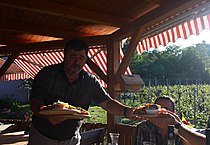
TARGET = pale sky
(192,40)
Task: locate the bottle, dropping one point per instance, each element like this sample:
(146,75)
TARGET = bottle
(114,138)
(171,135)
(208,132)
(208,136)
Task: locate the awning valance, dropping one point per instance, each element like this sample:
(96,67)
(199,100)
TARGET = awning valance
(193,27)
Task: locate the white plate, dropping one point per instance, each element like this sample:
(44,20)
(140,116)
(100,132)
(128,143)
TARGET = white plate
(152,115)
(78,116)
(59,112)
(151,111)
(65,113)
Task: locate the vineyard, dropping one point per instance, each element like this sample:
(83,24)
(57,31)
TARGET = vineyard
(192,101)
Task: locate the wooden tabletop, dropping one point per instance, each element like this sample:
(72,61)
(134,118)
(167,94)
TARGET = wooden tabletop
(5,126)
(12,138)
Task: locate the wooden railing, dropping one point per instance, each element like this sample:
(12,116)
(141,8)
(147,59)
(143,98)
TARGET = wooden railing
(127,132)
(90,126)
(94,136)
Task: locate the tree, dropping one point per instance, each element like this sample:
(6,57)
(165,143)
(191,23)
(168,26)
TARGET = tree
(173,62)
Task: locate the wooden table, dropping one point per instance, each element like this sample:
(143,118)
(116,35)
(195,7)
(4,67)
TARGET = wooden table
(4,127)
(12,138)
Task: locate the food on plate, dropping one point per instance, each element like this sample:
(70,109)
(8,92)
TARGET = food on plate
(62,108)
(150,109)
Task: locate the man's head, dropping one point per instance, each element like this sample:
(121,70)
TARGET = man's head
(75,56)
(166,102)
(77,45)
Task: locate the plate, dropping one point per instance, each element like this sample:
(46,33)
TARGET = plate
(65,113)
(151,111)
(82,115)
(72,117)
(59,112)
(78,116)
(151,115)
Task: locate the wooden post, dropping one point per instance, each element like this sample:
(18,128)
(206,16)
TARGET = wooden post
(113,62)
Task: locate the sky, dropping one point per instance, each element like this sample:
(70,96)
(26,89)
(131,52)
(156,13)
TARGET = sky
(192,40)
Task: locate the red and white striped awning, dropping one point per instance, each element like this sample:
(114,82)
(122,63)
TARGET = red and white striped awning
(13,72)
(193,27)
(33,63)
(15,76)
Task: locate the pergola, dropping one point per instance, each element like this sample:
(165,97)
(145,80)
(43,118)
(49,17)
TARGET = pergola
(30,28)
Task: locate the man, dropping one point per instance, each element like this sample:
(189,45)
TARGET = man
(148,131)
(189,136)
(67,82)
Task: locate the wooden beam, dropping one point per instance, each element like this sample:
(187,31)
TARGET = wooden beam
(11,40)
(97,70)
(129,52)
(39,30)
(50,45)
(30,47)
(165,10)
(145,10)
(66,11)
(8,63)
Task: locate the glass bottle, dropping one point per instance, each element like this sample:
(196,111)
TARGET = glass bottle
(208,136)
(208,132)
(171,135)
(114,138)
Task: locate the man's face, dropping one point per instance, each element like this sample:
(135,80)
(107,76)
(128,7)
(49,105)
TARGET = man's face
(164,103)
(74,61)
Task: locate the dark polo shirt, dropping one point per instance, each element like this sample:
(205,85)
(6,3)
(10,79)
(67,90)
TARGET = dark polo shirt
(51,85)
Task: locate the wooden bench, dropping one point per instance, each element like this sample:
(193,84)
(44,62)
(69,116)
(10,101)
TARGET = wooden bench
(94,136)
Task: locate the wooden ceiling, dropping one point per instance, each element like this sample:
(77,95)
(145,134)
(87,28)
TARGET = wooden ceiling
(65,18)
(29,25)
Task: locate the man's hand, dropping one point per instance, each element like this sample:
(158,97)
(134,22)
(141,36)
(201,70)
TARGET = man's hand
(169,118)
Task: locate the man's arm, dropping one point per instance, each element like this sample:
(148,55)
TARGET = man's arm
(114,107)
(189,136)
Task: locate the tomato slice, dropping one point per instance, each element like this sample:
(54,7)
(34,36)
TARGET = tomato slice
(162,110)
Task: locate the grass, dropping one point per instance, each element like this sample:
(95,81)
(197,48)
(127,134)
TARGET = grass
(98,115)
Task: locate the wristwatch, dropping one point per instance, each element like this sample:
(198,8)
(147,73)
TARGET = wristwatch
(176,127)
(125,111)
